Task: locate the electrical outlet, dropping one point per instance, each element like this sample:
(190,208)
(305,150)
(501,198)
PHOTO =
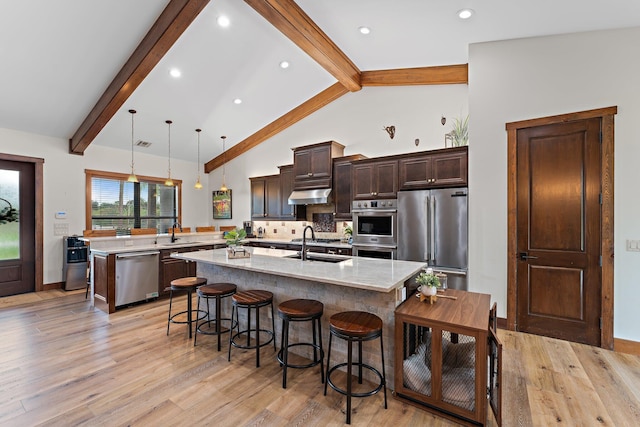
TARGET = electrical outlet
(633,245)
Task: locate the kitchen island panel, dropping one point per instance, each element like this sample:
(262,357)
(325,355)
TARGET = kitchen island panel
(336,298)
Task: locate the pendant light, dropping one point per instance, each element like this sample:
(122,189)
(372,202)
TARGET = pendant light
(224,161)
(198,185)
(169,181)
(132,177)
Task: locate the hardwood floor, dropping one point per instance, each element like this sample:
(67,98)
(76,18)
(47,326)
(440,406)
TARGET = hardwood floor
(64,363)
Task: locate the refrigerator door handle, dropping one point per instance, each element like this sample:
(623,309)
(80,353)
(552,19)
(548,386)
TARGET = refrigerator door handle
(427,231)
(432,227)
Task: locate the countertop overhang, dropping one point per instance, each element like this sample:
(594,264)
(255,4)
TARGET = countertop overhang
(357,272)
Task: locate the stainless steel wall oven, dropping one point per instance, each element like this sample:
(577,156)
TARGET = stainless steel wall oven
(375,228)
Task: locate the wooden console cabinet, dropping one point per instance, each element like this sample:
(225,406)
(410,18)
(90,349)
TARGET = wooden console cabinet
(442,354)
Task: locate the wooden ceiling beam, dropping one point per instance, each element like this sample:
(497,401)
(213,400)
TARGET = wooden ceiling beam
(294,23)
(300,112)
(448,74)
(169,26)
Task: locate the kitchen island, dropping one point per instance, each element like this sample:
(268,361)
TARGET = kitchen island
(355,283)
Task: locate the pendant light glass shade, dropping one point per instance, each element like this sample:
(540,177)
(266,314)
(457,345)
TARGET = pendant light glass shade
(223,187)
(132,177)
(198,185)
(169,181)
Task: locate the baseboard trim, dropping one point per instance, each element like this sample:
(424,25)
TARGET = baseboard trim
(50,286)
(626,346)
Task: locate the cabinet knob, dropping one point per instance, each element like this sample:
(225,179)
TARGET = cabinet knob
(309,174)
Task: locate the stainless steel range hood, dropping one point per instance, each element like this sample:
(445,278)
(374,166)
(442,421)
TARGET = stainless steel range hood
(310,197)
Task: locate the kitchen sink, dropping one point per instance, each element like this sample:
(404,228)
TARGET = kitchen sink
(313,256)
(180,243)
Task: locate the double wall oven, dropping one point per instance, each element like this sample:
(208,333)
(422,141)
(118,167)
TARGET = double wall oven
(375,228)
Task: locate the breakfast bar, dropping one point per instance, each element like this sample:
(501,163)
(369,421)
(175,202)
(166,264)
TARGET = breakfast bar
(340,283)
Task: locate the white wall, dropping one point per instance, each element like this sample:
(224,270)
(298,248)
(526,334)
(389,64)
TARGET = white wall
(64,185)
(538,77)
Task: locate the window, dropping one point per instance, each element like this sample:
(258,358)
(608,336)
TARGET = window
(115,203)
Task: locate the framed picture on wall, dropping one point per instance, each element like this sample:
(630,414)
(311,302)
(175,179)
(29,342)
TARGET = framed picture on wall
(222,204)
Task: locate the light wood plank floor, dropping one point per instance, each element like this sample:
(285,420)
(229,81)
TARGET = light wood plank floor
(64,364)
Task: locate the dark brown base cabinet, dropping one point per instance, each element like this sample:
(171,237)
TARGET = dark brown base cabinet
(443,352)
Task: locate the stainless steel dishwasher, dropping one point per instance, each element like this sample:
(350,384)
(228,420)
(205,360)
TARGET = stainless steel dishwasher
(136,277)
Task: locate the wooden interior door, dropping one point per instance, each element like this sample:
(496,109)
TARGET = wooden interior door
(558,230)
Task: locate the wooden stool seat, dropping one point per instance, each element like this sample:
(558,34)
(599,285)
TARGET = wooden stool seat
(188,285)
(187,282)
(358,324)
(299,310)
(355,326)
(251,299)
(217,291)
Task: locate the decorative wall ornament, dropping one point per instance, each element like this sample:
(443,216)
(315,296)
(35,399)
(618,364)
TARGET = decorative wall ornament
(391,130)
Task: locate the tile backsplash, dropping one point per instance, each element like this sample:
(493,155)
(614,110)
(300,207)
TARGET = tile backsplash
(293,229)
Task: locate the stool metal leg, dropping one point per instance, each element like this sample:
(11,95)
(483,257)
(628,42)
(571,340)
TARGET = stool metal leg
(233,311)
(384,375)
(218,317)
(195,339)
(349,379)
(321,352)
(189,303)
(285,351)
(258,336)
(359,361)
(273,327)
(169,318)
(328,364)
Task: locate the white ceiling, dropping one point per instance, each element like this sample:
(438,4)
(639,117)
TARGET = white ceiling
(59,56)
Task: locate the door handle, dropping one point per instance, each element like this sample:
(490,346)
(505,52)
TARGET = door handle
(524,256)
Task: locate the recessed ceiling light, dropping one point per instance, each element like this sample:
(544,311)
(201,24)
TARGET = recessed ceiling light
(284,64)
(237,101)
(364,30)
(174,72)
(465,13)
(223,21)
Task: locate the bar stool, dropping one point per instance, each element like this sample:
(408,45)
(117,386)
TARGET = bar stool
(218,291)
(251,299)
(188,285)
(355,326)
(301,310)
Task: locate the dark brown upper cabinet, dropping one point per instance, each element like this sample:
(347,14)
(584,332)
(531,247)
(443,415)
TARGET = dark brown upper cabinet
(265,197)
(375,179)
(342,195)
(287,211)
(434,169)
(313,166)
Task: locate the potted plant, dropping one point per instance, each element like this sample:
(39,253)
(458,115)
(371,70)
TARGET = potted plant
(428,283)
(234,237)
(348,232)
(460,132)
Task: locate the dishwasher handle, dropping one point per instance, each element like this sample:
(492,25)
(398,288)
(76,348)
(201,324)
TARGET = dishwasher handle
(137,254)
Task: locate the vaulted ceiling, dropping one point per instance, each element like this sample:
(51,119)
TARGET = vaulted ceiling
(72,68)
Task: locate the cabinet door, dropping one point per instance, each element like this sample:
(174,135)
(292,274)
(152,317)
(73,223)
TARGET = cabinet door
(287,211)
(312,167)
(258,207)
(386,180)
(171,269)
(449,170)
(363,184)
(342,190)
(272,196)
(415,173)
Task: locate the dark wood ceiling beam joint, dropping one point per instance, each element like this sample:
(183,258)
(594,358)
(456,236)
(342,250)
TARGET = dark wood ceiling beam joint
(169,26)
(294,23)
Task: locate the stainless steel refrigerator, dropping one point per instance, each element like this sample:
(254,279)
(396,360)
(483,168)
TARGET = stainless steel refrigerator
(432,227)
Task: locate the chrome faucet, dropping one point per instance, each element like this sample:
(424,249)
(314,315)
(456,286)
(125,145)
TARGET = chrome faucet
(173,231)
(303,253)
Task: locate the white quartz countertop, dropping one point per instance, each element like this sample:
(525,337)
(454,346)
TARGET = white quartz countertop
(310,242)
(120,249)
(358,272)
